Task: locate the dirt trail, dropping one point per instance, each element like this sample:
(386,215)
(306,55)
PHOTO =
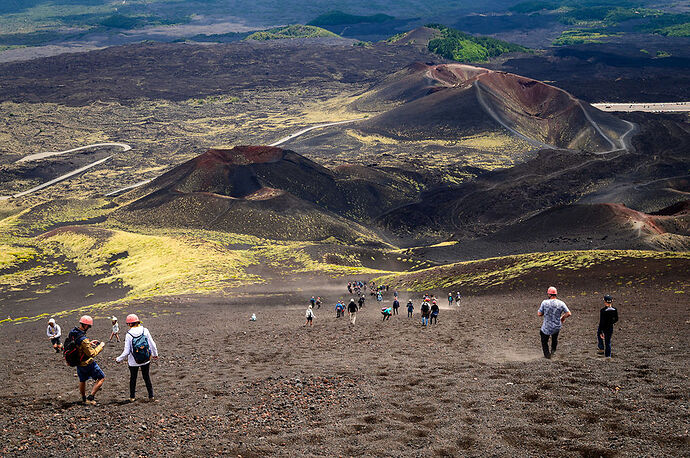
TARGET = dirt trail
(475,384)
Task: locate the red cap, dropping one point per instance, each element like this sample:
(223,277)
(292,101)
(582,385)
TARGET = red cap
(132,318)
(552,291)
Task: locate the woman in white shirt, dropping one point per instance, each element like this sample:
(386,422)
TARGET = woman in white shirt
(139,349)
(54,332)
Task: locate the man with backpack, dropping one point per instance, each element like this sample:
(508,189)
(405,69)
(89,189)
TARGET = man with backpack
(80,353)
(426,311)
(139,349)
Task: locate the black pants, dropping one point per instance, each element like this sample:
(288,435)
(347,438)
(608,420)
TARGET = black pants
(545,343)
(133,379)
(395,310)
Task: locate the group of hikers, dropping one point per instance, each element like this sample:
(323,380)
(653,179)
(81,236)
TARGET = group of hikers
(80,352)
(140,348)
(553,310)
(429,307)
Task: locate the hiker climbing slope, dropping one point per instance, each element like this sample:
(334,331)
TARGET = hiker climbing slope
(54,332)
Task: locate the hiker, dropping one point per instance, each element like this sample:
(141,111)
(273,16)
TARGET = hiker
(116,330)
(309,314)
(339,309)
(349,287)
(410,308)
(608,315)
(425,313)
(434,313)
(54,332)
(80,352)
(396,306)
(352,310)
(457,298)
(312,302)
(554,312)
(361,301)
(379,297)
(450,299)
(386,312)
(139,350)
(318,302)
(395,294)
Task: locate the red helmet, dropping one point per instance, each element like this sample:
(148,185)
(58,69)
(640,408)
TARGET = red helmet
(132,318)
(86,319)
(552,291)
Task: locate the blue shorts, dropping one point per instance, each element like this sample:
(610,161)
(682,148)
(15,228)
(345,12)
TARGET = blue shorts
(90,371)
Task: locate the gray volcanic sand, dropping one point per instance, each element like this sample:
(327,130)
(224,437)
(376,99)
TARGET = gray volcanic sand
(475,384)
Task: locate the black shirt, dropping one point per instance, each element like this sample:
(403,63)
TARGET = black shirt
(607,316)
(352,307)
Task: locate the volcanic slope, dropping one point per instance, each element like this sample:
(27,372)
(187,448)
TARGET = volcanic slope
(266,192)
(586,227)
(451,101)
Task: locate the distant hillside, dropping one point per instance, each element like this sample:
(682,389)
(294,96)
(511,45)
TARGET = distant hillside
(289,32)
(463,47)
(338,18)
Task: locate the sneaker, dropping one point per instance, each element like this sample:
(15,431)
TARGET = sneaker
(90,400)
(132,399)
(153,399)
(600,352)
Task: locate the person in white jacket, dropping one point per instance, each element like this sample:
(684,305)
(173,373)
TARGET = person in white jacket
(136,330)
(54,332)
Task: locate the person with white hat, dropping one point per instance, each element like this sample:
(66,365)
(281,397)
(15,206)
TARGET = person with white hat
(54,332)
(139,350)
(116,330)
(554,312)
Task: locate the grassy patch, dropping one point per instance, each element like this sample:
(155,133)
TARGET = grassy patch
(289,32)
(463,47)
(576,37)
(10,255)
(152,265)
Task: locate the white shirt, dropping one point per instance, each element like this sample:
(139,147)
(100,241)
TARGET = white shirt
(54,332)
(127,352)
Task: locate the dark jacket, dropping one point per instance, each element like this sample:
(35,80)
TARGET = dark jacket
(352,307)
(434,309)
(425,309)
(396,304)
(607,317)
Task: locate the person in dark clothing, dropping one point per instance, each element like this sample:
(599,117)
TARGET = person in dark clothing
(396,306)
(361,301)
(352,310)
(410,308)
(434,313)
(426,310)
(608,315)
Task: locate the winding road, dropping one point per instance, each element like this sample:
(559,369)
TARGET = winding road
(37,156)
(126,147)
